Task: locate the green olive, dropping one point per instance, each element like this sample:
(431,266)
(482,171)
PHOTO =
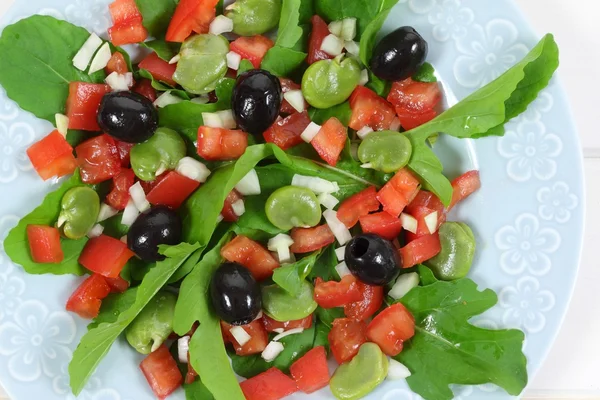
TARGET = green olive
(202,63)
(328,83)
(458,250)
(254,17)
(153,325)
(79,210)
(160,153)
(386,151)
(293,207)
(360,376)
(281,306)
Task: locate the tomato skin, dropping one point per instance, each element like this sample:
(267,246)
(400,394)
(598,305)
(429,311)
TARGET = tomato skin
(172,190)
(218,144)
(117,285)
(191,16)
(311,239)
(391,328)
(87,298)
(288,85)
(270,324)
(127,23)
(381,224)
(464,186)
(52,156)
(257,343)
(371,300)
(191,374)
(320,30)
(83,103)
(44,244)
(119,195)
(227,212)
(369,109)
(286,132)
(251,255)
(144,87)
(116,64)
(425,199)
(123,11)
(105,255)
(270,385)
(252,48)
(124,149)
(415,102)
(411,120)
(357,206)
(420,250)
(98,159)
(330,141)
(398,192)
(346,337)
(159,68)
(311,372)
(161,372)
(337,294)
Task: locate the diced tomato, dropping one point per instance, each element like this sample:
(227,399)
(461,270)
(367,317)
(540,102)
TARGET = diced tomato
(371,301)
(191,16)
(44,244)
(286,132)
(381,224)
(425,199)
(464,186)
(160,69)
(270,385)
(337,294)
(98,159)
(83,103)
(117,285)
(162,372)
(228,214)
(320,30)
(124,149)
(369,109)
(410,120)
(398,192)
(124,11)
(119,195)
(346,337)
(415,102)
(420,250)
(258,338)
(87,299)
(271,325)
(252,48)
(330,141)
(251,255)
(52,156)
(288,85)
(144,87)
(311,372)
(357,206)
(419,213)
(116,64)
(218,144)
(311,239)
(105,255)
(130,33)
(172,191)
(391,328)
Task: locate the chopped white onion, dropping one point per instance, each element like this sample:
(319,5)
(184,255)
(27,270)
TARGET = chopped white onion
(183,346)
(258,316)
(240,335)
(130,214)
(332,45)
(284,255)
(238,208)
(227,119)
(316,184)
(335,27)
(212,120)
(175,59)
(101,58)
(341,233)
(106,212)
(95,231)
(249,185)
(395,125)
(161,170)
(409,222)
(278,330)
(364,77)
(139,197)
(62,123)
(281,244)
(348,29)
(119,82)
(367,166)
(193,169)
(328,201)
(397,370)
(403,285)
(220,218)
(364,132)
(220,25)
(202,99)
(167,99)
(431,220)
(352,47)
(271,352)
(124,239)
(340,253)
(342,269)
(86,52)
(293,331)
(296,99)
(234,60)
(310,132)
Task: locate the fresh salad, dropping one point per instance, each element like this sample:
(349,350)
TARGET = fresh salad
(259,197)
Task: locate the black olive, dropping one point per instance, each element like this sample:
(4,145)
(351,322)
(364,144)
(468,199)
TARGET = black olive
(256,101)
(399,55)
(127,116)
(235,294)
(159,225)
(372,259)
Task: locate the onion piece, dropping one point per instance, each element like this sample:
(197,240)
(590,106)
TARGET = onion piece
(240,335)
(367,166)
(130,214)
(86,52)
(397,370)
(317,185)
(101,58)
(310,132)
(409,222)
(348,29)
(234,60)
(403,285)
(62,124)
(278,330)
(249,185)
(227,119)
(238,208)
(281,244)
(395,125)
(332,45)
(271,352)
(335,27)
(293,331)
(202,99)
(364,132)
(352,47)
(95,231)
(341,233)
(364,77)
(183,347)
(431,220)
(328,201)
(166,99)
(296,99)
(342,269)
(340,253)
(220,218)
(193,169)
(139,197)
(119,82)
(221,25)
(106,212)
(212,120)
(124,239)
(175,59)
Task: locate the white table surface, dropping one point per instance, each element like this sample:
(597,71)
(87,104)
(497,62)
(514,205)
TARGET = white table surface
(572,369)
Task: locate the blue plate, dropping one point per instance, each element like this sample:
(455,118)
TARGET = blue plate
(528,216)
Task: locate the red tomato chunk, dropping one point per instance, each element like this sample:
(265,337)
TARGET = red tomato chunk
(116,64)
(288,85)
(119,195)
(87,299)
(370,301)
(218,144)
(464,186)
(251,255)
(320,30)
(258,338)
(172,190)
(391,328)
(346,337)
(330,141)
(270,385)
(357,206)
(228,214)
(44,244)
(420,250)
(105,255)
(311,372)
(398,192)
(128,25)
(99,159)
(52,156)
(271,325)
(286,132)
(382,224)
(311,239)
(159,68)
(415,102)
(369,109)
(252,48)
(337,294)
(161,372)
(191,16)
(83,103)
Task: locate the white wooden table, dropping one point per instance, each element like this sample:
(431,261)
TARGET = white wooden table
(572,369)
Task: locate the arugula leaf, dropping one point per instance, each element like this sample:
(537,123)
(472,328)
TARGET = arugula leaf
(447,350)
(163,49)
(163,87)
(379,86)
(289,32)
(363,10)
(367,40)
(157,15)
(426,73)
(327,316)
(197,391)
(187,267)
(307,10)
(343,112)
(245,65)
(96,343)
(290,277)
(37,54)
(321,335)
(282,61)
(113,306)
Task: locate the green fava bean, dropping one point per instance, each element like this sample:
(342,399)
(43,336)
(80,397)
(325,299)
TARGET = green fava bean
(328,83)
(458,250)
(202,63)
(79,212)
(282,306)
(386,151)
(360,376)
(153,325)
(159,153)
(254,17)
(293,207)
